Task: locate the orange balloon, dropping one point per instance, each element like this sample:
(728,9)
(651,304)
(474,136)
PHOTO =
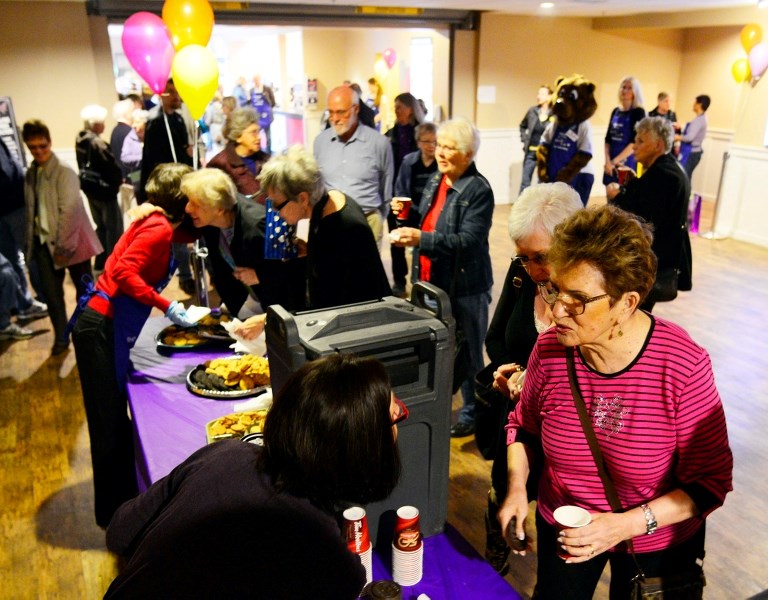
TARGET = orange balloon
(751,34)
(740,70)
(188,22)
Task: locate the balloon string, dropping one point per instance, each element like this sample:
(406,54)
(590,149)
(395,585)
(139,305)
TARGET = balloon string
(194,150)
(170,137)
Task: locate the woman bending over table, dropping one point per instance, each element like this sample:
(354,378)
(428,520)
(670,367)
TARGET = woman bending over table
(107,322)
(652,401)
(238,520)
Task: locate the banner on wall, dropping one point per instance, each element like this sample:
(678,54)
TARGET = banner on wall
(9,132)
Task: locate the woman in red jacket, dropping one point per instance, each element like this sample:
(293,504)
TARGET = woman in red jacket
(107,322)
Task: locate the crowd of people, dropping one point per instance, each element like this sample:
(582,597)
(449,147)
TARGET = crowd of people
(574,313)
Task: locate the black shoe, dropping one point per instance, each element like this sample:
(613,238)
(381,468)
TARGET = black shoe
(188,286)
(460,430)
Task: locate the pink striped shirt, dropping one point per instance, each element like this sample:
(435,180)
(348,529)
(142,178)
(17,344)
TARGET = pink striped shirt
(659,422)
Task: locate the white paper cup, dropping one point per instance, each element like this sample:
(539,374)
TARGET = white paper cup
(572,516)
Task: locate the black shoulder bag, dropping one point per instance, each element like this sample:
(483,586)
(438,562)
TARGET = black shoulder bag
(682,586)
(91,181)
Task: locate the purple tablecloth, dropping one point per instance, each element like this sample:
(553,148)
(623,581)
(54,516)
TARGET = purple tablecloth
(169,425)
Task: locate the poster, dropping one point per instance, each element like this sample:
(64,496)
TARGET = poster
(312,93)
(9,132)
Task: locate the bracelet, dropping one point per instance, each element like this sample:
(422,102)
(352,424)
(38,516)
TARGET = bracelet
(650,520)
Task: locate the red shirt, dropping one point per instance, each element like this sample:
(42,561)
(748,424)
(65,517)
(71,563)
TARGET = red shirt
(138,262)
(429,223)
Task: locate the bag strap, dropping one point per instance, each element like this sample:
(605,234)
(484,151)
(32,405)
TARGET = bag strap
(597,454)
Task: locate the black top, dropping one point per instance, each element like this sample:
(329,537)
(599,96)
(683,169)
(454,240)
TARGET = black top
(512,333)
(119,133)
(215,527)
(157,148)
(95,154)
(344,263)
(660,197)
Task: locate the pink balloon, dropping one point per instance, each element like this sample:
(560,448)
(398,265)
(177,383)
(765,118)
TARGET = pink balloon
(390,57)
(148,48)
(758,59)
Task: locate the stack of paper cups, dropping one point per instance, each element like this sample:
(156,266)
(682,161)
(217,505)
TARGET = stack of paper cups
(407,547)
(358,540)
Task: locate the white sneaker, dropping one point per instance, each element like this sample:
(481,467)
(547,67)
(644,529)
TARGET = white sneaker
(38,310)
(14,332)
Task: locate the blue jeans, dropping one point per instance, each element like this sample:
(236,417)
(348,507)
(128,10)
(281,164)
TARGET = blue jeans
(692,163)
(529,165)
(471,312)
(12,230)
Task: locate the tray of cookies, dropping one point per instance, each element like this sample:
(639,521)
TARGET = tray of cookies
(230,378)
(236,425)
(207,332)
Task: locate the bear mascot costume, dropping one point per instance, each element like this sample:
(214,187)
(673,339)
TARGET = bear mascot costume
(566,146)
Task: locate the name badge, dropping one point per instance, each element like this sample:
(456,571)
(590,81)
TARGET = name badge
(572,135)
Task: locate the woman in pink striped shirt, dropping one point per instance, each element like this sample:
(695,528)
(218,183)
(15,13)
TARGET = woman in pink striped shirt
(651,396)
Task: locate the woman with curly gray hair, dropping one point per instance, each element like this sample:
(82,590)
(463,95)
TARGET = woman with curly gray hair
(242,157)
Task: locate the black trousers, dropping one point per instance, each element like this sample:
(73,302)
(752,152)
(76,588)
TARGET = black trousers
(557,580)
(109,226)
(110,430)
(52,284)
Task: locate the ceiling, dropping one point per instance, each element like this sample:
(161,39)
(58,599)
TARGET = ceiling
(584,8)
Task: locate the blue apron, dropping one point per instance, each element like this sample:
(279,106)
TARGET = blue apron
(128,318)
(620,135)
(685,149)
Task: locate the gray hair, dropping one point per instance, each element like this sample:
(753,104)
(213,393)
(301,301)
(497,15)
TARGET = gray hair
(463,132)
(238,121)
(92,114)
(659,128)
(636,91)
(423,128)
(540,208)
(211,187)
(123,109)
(293,172)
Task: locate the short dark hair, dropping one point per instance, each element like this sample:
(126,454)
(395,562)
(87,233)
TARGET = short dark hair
(35,128)
(615,242)
(704,101)
(163,189)
(328,436)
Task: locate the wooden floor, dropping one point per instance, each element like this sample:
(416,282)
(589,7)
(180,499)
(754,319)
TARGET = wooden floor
(51,548)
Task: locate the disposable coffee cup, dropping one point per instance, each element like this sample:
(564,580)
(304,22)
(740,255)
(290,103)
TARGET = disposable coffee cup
(407,529)
(624,174)
(356,530)
(570,517)
(405,207)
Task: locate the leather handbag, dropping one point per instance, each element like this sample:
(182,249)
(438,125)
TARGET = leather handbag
(491,413)
(665,286)
(680,586)
(91,181)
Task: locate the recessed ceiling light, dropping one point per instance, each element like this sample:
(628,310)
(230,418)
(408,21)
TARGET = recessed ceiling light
(547,5)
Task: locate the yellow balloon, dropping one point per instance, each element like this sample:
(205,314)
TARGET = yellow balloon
(188,22)
(196,76)
(740,70)
(751,35)
(380,68)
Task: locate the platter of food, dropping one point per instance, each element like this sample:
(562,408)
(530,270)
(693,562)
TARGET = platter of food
(230,378)
(207,332)
(236,425)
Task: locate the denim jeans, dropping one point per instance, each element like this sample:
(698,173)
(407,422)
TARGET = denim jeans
(529,166)
(471,312)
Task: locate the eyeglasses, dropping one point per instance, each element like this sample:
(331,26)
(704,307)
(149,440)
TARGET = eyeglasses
(278,207)
(540,259)
(573,305)
(402,411)
(447,150)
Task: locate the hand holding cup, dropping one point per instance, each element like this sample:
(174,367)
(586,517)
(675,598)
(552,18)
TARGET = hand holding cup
(401,207)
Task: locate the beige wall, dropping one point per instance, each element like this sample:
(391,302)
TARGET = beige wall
(52,63)
(517,54)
